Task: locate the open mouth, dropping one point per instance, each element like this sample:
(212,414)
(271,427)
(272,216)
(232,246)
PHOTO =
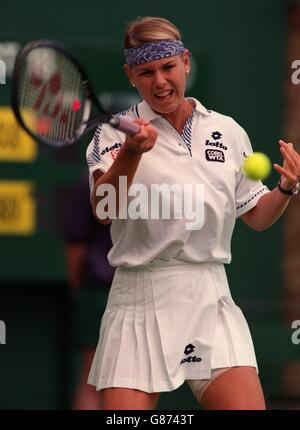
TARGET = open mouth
(164,95)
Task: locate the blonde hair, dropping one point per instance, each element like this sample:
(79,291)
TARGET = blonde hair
(149,29)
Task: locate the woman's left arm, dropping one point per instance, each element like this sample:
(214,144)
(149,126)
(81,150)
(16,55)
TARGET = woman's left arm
(272,205)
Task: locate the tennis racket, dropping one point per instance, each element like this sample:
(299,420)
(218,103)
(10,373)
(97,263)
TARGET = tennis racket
(52,97)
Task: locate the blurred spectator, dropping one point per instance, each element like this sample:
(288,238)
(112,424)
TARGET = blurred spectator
(89,274)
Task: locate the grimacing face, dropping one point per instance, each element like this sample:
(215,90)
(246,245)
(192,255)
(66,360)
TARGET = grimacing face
(161,83)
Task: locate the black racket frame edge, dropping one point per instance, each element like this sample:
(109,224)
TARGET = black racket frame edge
(48,43)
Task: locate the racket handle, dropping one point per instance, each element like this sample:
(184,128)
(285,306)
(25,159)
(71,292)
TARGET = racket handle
(125,125)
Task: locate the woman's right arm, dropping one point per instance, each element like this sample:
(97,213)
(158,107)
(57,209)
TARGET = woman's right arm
(125,164)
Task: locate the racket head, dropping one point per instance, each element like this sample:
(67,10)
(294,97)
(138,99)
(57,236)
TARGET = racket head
(51,95)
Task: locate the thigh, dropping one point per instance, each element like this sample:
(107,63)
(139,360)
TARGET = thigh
(237,388)
(127,398)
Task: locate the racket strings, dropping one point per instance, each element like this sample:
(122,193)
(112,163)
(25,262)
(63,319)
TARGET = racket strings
(51,95)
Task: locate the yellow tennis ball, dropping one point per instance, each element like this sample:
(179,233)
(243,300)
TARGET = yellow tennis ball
(257,166)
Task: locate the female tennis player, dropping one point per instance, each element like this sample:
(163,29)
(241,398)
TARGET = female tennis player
(170,317)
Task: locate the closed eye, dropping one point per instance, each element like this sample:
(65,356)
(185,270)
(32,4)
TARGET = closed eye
(169,66)
(146,72)
(149,72)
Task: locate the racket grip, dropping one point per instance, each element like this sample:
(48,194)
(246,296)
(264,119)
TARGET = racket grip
(125,125)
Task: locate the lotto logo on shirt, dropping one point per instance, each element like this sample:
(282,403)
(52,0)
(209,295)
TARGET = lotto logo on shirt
(111,148)
(215,155)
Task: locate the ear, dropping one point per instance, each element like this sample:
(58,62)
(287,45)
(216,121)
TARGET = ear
(128,72)
(186,61)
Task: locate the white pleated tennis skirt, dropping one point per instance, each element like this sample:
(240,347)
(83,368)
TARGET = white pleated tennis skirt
(167,324)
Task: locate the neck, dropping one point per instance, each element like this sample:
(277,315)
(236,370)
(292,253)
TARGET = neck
(178,117)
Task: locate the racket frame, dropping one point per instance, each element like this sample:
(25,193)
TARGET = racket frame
(87,89)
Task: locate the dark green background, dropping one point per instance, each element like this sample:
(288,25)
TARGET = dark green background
(239,47)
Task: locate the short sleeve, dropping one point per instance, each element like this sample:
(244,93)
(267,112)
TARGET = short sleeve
(103,149)
(248,191)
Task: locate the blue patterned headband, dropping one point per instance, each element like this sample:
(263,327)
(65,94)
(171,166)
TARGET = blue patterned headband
(151,51)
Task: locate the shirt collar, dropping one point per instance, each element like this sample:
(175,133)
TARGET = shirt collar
(199,106)
(145,111)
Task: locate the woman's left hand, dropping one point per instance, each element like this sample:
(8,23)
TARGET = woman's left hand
(290,171)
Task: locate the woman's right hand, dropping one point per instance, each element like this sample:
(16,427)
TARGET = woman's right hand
(144,140)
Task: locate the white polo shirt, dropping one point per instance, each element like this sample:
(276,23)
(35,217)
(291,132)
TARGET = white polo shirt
(210,152)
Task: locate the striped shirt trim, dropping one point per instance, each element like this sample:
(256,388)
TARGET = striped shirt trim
(261,190)
(187,132)
(126,112)
(94,157)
